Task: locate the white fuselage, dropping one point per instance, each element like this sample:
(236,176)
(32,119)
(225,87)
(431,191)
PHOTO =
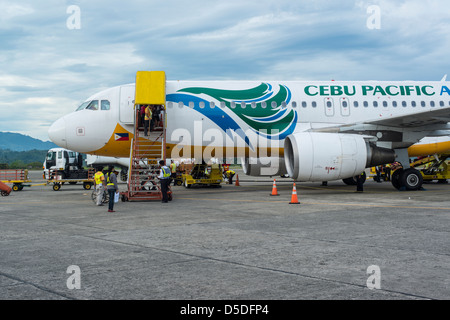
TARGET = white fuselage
(250,114)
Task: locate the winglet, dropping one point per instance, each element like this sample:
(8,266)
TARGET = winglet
(444,78)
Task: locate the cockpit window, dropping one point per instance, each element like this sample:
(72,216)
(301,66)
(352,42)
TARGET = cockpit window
(83,106)
(93,105)
(105,104)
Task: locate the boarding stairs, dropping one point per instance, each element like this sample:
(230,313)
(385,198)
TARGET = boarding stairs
(146,151)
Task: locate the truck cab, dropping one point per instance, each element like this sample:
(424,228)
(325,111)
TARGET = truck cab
(68,164)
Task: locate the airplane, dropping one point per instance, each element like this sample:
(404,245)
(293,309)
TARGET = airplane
(309,130)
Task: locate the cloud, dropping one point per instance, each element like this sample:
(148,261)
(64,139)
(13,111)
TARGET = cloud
(49,68)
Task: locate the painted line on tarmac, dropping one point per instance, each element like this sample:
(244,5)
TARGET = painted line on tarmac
(322,203)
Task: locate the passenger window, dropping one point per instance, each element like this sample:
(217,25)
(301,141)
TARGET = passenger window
(211,104)
(344,104)
(432,103)
(422,103)
(105,105)
(441,103)
(404,104)
(180,104)
(294,104)
(233,104)
(394,104)
(283,104)
(304,105)
(274,104)
(263,104)
(202,104)
(314,104)
(355,104)
(191,104)
(375,104)
(413,103)
(222,104)
(366,104)
(253,104)
(93,105)
(385,104)
(243,105)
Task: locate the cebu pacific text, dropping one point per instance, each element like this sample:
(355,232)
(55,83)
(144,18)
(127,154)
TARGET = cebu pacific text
(365,90)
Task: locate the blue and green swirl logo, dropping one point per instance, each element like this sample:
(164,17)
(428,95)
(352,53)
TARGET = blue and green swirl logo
(265,113)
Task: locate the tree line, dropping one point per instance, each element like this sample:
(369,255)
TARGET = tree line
(31,159)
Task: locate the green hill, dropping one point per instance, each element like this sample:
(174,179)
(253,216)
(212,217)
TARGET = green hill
(20,142)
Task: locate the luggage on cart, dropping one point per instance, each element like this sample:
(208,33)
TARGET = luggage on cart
(5,189)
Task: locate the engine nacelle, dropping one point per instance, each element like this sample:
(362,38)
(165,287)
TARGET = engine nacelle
(315,156)
(266,166)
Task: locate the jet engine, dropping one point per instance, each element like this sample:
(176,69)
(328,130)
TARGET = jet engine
(265,166)
(314,156)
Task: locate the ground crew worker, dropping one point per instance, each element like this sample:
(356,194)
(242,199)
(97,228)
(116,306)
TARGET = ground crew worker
(173,170)
(359,182)
(99,182)
(230,174)
(111,186)
(164,177)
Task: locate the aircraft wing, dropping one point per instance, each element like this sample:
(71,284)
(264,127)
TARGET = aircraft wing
(420,119)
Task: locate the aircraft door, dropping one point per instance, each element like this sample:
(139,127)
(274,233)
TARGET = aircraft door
(329,107)
(126,105)
(345,107)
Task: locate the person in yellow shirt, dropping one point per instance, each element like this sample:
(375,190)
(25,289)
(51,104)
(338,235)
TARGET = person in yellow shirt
(147,117)
(230,174)
(99,183)
(173,171)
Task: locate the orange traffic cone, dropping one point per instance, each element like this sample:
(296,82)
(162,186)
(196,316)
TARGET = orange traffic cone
(237,181)
(294,199)
(274,189)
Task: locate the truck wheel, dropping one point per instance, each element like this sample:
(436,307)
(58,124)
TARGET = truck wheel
(15,187)
(56,187)
(87,185)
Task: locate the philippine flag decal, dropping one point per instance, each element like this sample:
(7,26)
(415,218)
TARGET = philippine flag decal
(121,136)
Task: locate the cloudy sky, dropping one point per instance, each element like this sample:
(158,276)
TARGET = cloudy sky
(54,54)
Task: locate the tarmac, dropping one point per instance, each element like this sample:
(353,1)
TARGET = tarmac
(232,243)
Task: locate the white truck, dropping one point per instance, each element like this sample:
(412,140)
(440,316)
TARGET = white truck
(62,165)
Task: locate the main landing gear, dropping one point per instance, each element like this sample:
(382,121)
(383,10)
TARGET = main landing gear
(407,179)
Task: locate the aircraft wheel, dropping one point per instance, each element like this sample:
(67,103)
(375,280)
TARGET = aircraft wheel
(395,178)
(411,179)
(350,181)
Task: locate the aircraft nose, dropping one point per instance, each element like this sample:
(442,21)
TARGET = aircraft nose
(57,133)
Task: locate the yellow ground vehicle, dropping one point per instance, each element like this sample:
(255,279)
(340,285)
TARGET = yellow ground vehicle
(18,177)
(434,168)
(203,174)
